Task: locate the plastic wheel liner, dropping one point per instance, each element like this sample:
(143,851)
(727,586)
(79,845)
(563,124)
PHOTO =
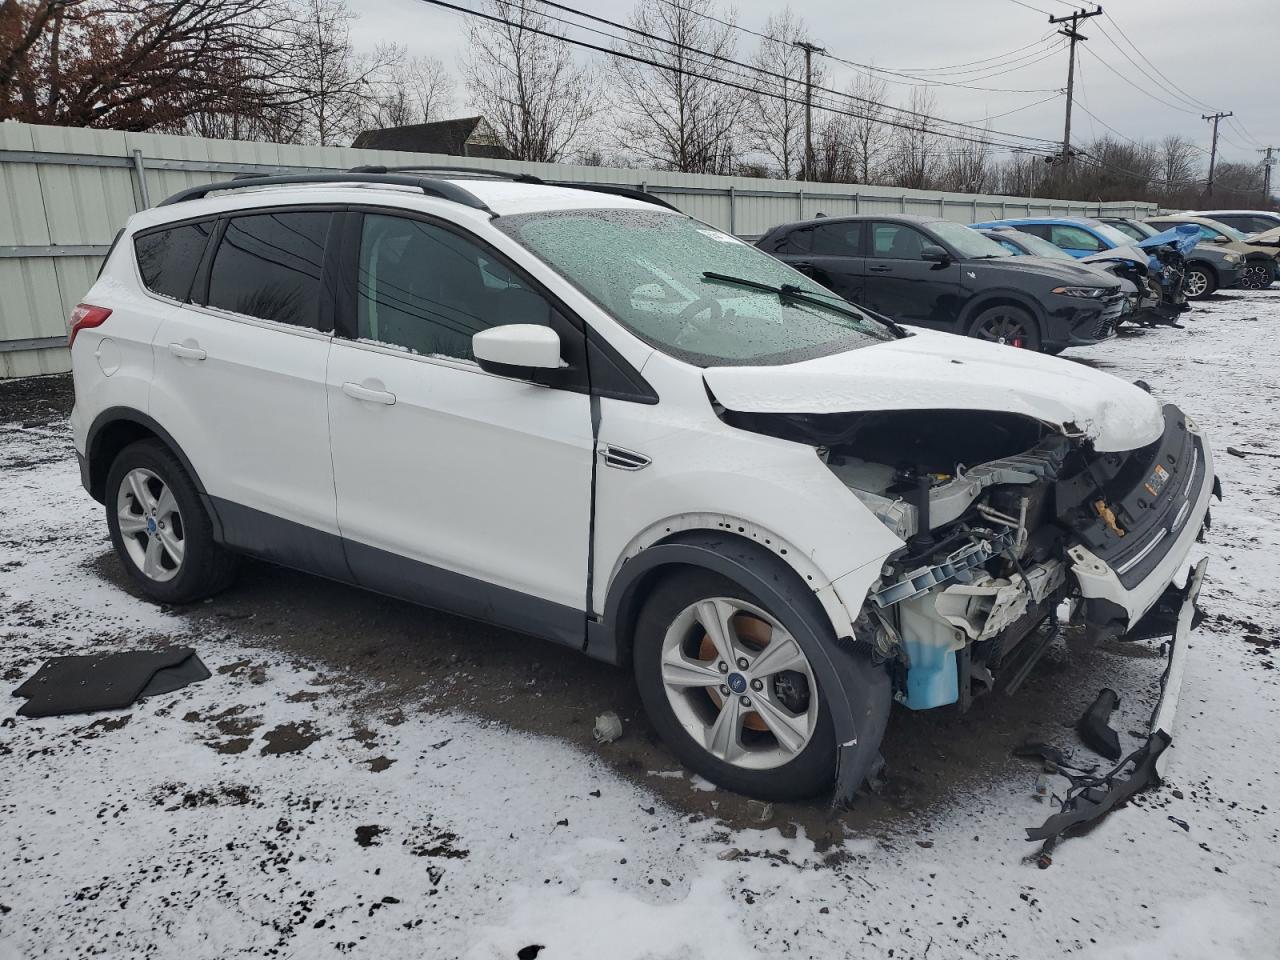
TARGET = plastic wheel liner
(1092,797)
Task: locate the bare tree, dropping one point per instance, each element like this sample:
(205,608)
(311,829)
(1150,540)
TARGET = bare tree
(915,147)
(521,76)
(414,91)
(1178,163)
(676,115)
(332,83)
(775,112)
(835,153)
(871,136)
(966,168)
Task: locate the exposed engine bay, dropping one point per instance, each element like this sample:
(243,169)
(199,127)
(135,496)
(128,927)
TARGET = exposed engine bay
(998,513)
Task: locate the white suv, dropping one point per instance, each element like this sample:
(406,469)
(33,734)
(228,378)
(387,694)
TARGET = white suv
(592,419)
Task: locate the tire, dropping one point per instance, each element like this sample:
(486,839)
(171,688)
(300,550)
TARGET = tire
(1199,282)
(1007,324)
(1256,275)
(160,528)
(755,761)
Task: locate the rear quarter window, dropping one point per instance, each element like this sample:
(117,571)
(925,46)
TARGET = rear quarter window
(168,259)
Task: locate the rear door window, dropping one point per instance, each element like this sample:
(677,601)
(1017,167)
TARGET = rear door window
(838,239)
(1074,238)
(168,259)
(268,266)
(795,242)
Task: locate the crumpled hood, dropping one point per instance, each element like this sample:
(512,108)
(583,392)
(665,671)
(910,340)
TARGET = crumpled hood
(1128,254)
(941,371)
(1185,236)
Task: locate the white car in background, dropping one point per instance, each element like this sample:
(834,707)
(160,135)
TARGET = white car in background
(589,418)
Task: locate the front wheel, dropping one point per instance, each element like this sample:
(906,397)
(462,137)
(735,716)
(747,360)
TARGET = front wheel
(1198,283)
(1008,325)
(731,691)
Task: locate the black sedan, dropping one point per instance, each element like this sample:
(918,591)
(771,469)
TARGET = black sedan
(943,275)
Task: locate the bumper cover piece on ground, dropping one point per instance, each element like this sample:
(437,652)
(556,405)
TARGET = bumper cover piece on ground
(1091,798)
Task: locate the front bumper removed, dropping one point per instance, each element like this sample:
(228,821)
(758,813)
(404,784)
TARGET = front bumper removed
(1092,797)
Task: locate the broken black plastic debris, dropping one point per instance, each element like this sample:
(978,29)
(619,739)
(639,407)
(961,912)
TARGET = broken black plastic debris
(1051,755)
(1094,725)
(1091,798)
(530,952)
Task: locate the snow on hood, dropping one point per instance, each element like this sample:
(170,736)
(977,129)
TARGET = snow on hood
(942,371)
(1127,253)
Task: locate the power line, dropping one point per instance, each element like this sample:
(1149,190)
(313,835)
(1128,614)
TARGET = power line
(752,88)
(1190,99)
(1030,7)
(1172,92)
(1135,86)
(969,63)
(667,43)
(1025,106)
(909,80)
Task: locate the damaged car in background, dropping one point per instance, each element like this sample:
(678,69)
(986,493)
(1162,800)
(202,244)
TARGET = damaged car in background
(594,420)
(1156,265)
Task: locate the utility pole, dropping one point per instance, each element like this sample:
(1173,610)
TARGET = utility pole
(1072,34)
(809,50)
(1267,164)
(1213,151)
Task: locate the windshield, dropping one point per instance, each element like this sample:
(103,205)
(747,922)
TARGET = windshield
(645,267)
(1231,232)
(1039,247)
(1111,234)
(966,241)
(1138,231)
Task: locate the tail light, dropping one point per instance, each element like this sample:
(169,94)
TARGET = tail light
(84,316)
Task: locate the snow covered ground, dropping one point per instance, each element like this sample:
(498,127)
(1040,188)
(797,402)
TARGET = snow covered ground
(286,807)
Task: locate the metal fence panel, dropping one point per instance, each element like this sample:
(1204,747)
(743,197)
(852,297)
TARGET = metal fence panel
(64,191)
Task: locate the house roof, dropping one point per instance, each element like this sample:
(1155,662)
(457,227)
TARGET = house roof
(439,136)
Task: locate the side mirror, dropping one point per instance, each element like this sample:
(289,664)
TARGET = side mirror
(1221,239)
(517,349)
(934,254)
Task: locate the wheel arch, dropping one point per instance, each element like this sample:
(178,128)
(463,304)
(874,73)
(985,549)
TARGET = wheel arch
(859,708)
(1002,298)
(116,428)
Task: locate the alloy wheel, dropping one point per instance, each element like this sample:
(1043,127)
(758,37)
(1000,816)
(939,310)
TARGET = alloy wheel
(150,524)
(1195,284)
(1003,328)
(739,683)
(1255,277)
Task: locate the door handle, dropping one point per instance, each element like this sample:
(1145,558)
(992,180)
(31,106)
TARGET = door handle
(357,392)
(186,352)
(880,269)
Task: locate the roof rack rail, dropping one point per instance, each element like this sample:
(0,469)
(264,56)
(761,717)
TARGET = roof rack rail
(614,190)
(440,168)
(444,189)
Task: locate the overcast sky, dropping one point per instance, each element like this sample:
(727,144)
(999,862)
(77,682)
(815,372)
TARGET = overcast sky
(1221,52)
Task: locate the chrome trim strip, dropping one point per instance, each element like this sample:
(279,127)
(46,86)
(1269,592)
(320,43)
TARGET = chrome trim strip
(1134,561)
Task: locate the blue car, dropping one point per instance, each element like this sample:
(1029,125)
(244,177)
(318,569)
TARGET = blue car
(1083,237)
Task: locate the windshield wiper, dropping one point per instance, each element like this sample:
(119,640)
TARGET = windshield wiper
(789,291)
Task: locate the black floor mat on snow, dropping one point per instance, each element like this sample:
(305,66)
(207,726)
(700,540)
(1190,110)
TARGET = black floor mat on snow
(107,681)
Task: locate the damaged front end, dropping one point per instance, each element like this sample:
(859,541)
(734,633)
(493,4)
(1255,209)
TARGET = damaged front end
(1002,518)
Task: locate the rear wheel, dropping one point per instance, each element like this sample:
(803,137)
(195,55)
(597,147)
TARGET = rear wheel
(160,529)
(1009,325)
(1199,282)
(731,691)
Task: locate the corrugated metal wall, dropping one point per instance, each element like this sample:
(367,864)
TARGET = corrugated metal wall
(65,191)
